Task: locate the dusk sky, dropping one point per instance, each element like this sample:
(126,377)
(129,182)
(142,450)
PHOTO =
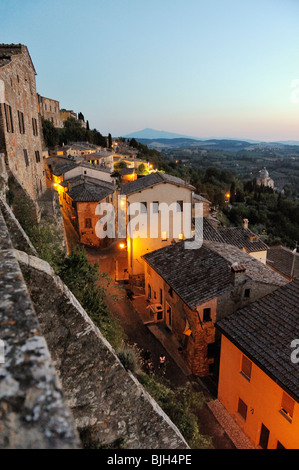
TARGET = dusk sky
(195,67)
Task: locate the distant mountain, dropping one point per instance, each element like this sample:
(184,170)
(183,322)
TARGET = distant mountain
(183,143)
(162,139)
(155,134)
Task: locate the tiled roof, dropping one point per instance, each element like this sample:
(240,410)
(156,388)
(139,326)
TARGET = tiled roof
(264,331)
(281,259)
(90,192)
(210,232)
(61,169)
(199,275)
(150,180)
(200,198)
(94,167)
(127,171)
(242,238)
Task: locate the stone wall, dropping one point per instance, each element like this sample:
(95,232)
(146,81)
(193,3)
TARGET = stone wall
(33,410)
(107,402)
(17,77)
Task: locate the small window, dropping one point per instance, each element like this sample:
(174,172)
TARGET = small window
(164,236)
(155,207)
(207,314)
(21,122)
(180,206)
(87,223)
(287,406)
(26,157)
(37,156)
(242,409)
(34,127)
(246,367)
(143,207)
(247,293)
(8,118)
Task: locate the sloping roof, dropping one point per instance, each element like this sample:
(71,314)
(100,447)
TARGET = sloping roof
(242,238)
(281,259)
(90,192)
(264,331)
(150,180)
(198,197)
(8,50)
(61,169)
(85,164)
(127,171)
(210,232)
(198,275)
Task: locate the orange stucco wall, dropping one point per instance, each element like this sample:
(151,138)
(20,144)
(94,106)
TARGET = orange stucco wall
(263,398)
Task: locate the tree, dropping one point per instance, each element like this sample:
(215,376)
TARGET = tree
(51,133)
(109,141)
(142,169)
(232,191)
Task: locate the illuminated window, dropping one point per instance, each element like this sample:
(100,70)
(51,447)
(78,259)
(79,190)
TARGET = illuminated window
(246,367)
(164,236)
(287,406)
(242,409)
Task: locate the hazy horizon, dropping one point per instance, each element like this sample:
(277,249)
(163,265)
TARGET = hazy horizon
(191,67)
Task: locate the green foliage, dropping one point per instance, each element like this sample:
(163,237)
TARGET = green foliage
(120,165)
(51,133)
(89,286)
(181,405)
(71,132)
(130,358)
(142,169)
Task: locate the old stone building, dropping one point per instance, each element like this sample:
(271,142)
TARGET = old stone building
(194,288)
(20,126)
(49,109)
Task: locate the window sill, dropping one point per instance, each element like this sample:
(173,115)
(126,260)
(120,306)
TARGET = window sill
(245,376)
(286,416)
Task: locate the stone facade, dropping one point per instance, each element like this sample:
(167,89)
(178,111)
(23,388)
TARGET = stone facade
(49,109)
(21,138)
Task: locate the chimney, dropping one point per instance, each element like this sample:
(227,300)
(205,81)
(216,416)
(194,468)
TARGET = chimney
(238,274)
(245,223)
